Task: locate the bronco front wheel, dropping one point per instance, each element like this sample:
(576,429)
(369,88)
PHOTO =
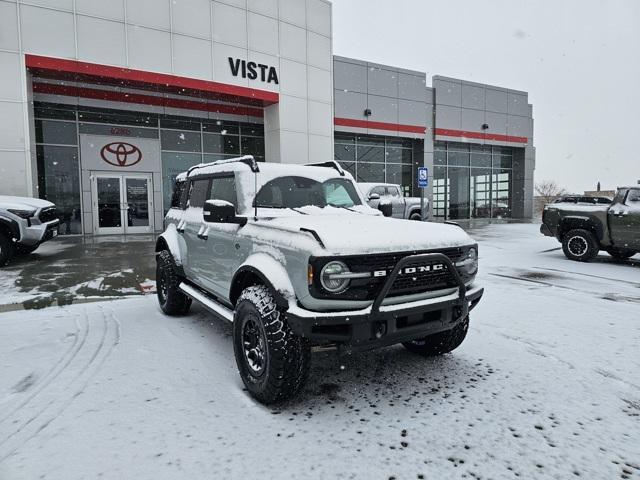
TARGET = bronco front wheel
(273,362)
(171,299)
(440,343)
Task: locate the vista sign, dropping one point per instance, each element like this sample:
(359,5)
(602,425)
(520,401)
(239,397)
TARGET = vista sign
(253,70)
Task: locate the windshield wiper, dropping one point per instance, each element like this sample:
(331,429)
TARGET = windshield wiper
(296,210)
(342,206)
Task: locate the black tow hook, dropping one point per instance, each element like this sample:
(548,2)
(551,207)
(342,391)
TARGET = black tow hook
(380,328)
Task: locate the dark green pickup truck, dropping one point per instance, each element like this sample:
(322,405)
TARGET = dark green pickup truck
(585,229)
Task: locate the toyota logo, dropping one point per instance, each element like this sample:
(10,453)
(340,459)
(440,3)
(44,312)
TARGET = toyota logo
(121,154)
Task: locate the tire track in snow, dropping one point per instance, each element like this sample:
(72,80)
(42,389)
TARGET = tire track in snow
(58,395)
(63,362)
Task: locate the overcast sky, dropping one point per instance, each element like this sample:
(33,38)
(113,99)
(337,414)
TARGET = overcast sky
(578,59)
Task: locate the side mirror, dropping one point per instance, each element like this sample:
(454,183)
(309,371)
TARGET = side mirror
(374,196)
(386,208)
(221,211)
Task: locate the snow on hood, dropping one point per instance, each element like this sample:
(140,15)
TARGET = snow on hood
(23,202)
(353,233)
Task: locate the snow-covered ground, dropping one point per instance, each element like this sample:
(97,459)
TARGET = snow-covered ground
(547,385)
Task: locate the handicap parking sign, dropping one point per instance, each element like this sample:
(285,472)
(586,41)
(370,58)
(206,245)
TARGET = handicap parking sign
(423,177)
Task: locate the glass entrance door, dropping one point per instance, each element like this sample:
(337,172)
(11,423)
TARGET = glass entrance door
(122,203)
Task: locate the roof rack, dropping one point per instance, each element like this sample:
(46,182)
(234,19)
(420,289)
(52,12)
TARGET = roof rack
(246,159)
(329,164)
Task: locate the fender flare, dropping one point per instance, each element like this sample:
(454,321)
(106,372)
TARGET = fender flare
(277,280)
(170,240)
(583,221)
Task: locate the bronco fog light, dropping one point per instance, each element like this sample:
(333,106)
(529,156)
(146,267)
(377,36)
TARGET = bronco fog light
(333,278)
(469,264)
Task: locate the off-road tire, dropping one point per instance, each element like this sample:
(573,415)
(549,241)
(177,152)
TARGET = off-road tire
(171,299)
(580,245)
(7,249)
(621,253)
(440,343)
(287,356)
(415,216)
(26,250)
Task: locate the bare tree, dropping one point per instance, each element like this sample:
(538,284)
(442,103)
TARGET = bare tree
(549,190)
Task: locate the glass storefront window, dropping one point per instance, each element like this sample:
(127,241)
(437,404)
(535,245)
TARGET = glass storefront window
(458,193)
(472,180)
(399,174)
(56,132)
(370,172)
(180,141)
(344,153)
(440,199)
(59,182)
(399,155)
(215,143)
(222,127)
(366,153)
(252,146)
(172,165)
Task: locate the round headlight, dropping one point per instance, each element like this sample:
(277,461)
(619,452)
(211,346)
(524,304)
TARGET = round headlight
(469,264)
(330,277)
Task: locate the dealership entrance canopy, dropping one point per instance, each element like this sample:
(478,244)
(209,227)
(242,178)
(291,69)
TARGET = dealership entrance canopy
(103,103)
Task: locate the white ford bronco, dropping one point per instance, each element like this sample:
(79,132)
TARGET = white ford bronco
(296,259)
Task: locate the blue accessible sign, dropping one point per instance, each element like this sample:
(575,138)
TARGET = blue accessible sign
(423,177)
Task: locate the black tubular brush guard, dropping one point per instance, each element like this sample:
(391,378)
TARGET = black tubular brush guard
(395,324)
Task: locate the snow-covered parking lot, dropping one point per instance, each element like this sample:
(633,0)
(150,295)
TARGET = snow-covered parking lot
(547,385)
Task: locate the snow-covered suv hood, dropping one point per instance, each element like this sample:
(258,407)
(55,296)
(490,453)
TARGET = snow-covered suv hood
(23,203)
(355,233)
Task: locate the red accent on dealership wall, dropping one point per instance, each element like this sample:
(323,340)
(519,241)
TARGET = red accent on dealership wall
(392,127)
(113,96)
(445,132)
(74,70)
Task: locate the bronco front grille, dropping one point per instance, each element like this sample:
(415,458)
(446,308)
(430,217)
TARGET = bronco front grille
(419,281)
(48,214)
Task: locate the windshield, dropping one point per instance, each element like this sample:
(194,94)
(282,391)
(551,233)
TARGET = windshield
(294,192)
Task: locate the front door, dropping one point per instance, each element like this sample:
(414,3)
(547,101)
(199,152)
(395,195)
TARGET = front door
(122,203)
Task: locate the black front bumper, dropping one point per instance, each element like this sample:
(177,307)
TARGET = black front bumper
(387,325)
(545,230)
(51,231)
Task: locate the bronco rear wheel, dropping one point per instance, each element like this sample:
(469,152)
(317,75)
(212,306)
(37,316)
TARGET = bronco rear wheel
(440,343)
(580,245)
(171,299)
(273,362)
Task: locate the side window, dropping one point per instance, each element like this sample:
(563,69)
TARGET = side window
(393,191)
(224,188)
(178,191)
(198,192)
(633,198)
(378,190)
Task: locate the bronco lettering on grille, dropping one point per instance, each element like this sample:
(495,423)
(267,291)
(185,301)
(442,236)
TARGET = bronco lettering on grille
(412,270)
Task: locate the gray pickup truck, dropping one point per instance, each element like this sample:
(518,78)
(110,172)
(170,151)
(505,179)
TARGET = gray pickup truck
(585,229)
(293,256)
(25,223)
(401,207)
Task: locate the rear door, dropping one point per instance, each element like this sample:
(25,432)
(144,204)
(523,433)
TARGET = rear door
(397,201)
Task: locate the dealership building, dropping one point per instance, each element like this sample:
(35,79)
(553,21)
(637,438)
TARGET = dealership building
(103,103)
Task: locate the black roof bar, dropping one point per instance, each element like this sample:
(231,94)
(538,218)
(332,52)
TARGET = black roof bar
(329,164)
(247,159)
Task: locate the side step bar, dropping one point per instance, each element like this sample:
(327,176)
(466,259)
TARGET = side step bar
(207,302)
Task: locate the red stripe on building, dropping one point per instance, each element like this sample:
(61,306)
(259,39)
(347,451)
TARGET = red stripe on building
(113,96)
(394,127)
(103,74)
(445,132)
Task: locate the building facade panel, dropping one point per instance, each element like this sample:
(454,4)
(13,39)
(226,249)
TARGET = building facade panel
(198,80)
